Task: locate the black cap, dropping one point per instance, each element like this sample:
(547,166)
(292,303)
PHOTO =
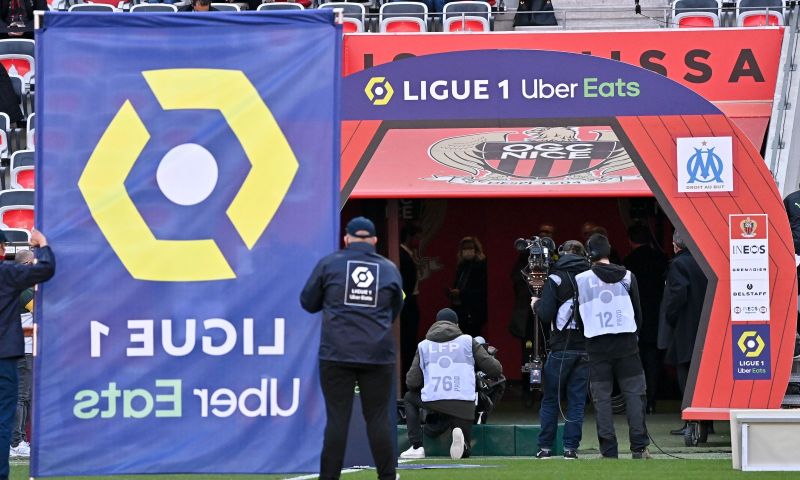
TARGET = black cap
(357,226)
(447,315)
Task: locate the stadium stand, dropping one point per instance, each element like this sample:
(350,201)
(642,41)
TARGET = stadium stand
(759,19)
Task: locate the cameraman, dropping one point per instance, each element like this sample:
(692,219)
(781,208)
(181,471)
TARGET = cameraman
(567,366)
(442,379)
(608,299)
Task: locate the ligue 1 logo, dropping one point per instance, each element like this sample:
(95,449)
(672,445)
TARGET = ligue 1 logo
(379,91)
(748,227)
(751,344)
(273,167)
(704,166)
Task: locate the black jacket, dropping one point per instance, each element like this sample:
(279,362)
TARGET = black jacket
(649,266)
(444,332)
(560,288)
(354,333)
(14,279)
(684,294)
(603,347)
(792,205)
(408,270)
(472,282)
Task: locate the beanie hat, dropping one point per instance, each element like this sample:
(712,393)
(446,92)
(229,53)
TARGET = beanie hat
(447,315)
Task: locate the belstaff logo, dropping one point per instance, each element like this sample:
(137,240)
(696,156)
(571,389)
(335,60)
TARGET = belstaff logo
(379,91)
(751,344)
(748,227)
(273,167)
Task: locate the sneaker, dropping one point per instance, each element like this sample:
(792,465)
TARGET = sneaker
(570,454)
(12,452)
(23,449)
(412,453)
(457,447)
(643,454)
(543,454)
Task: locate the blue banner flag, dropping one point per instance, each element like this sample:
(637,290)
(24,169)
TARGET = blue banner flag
(187,179)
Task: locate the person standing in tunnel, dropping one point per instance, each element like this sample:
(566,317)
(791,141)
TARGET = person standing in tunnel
(469,294)
(681,307)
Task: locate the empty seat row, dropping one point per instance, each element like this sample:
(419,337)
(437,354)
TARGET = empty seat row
(394,17)
(710,13)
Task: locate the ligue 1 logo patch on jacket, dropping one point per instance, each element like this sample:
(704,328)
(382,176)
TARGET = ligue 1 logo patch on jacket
(361,287)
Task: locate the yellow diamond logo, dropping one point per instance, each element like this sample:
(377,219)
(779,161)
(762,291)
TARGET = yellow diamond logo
(751,344)
(379,91)
(273,167)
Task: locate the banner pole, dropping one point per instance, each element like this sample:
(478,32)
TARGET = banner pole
(38,16)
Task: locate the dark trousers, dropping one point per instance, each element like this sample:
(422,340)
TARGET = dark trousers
(338,381)
(24,369)
(413,402)
(651,362)
(568,372)
(682,372)
(8,409)
(630,377)
(409,325)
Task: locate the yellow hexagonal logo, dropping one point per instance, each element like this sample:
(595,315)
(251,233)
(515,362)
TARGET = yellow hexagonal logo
(379,91)
(273,167)
(751,344)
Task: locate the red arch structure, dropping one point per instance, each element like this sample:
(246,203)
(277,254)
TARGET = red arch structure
(704,218)
(648,125)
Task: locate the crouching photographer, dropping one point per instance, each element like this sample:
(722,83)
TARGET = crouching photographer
(567,366)
(442,380)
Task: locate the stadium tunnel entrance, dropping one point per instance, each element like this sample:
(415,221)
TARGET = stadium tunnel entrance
(654,138)
(497,223)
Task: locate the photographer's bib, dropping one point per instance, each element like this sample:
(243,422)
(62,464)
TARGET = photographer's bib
(448,369)
(605,308)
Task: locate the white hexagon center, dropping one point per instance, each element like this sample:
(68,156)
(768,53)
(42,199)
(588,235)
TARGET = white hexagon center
(187,174)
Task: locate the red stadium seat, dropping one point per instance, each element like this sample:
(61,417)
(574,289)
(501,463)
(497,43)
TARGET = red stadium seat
(21,65)
(22,178)
(411,17)
(21,166)
(696,20)
(16,209)
(304,3)
(352,25)
(759,19)
(466,24)
(403,25)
